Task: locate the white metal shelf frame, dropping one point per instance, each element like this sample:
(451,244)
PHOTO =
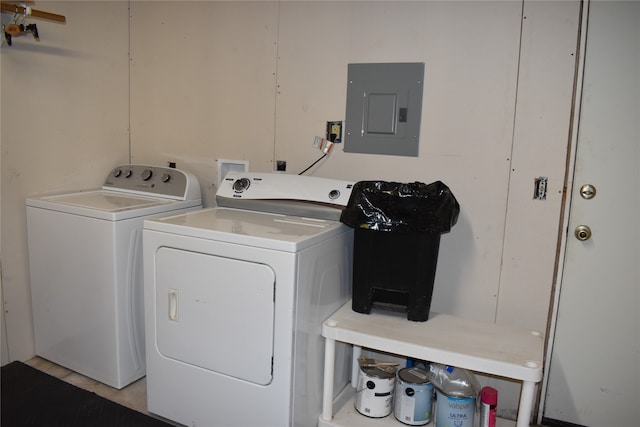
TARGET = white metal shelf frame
(501,350)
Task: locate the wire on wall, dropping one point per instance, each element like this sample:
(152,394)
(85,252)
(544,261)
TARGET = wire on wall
(313,164)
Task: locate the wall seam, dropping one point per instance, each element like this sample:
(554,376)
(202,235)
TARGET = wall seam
(129,81)
(511,170)
(277,90)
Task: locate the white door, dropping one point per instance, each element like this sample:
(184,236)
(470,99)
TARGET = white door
(594,375)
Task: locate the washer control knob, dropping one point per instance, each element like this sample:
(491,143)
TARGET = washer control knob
(241,184)
(117,172)
(334,194)
(146,174)
(128,173)
(165,177)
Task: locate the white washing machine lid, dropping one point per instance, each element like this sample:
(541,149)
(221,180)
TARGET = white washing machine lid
(249,228)
(108,205)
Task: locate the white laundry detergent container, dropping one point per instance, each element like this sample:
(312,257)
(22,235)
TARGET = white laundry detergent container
(454,411)
(374,393)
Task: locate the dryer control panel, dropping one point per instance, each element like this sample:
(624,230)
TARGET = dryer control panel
(154,181)
(307,196)
(276,186)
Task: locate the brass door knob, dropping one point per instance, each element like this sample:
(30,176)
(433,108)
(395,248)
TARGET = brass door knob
(583,232)
(588,191)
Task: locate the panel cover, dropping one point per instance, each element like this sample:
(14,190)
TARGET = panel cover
(384,108)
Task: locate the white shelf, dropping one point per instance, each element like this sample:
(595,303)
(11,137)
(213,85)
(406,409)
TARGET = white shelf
(505,351)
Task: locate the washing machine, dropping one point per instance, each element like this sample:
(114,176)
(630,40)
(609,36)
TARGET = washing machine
(85,265)
(235,297)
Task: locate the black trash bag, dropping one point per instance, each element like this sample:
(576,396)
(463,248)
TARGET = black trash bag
(404,208)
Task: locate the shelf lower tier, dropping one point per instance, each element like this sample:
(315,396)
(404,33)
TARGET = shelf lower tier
(345,415)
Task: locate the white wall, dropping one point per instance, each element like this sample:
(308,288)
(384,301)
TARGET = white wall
(4,348)
(4,351)
(65,118)
(540,148)
(470,51)
(258,80)
(202,84)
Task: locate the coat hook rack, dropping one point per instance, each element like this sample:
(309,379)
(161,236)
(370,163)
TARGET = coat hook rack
(20,12)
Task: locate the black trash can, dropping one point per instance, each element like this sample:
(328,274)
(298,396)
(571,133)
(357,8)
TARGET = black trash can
(396,244)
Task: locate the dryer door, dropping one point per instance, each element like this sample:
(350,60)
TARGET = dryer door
(216,313)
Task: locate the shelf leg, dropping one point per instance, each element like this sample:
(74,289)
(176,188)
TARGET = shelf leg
(329,366)
(355,366)
(526,404)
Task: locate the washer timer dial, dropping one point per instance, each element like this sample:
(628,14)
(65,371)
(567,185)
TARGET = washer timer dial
(241,184)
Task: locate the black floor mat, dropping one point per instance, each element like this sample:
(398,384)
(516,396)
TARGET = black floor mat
(31,398)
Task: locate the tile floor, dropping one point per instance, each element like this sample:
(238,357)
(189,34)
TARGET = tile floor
(133,396)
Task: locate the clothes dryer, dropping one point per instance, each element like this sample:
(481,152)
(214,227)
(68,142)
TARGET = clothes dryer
(235,297)
(85,263)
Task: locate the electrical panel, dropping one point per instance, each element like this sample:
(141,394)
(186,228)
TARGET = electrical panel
(384,108)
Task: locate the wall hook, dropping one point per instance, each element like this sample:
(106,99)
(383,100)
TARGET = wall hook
(16,28)
(28,11)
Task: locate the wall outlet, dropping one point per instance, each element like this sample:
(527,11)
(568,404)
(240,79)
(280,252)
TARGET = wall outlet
(281,165)
(540,188)
(334,132)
